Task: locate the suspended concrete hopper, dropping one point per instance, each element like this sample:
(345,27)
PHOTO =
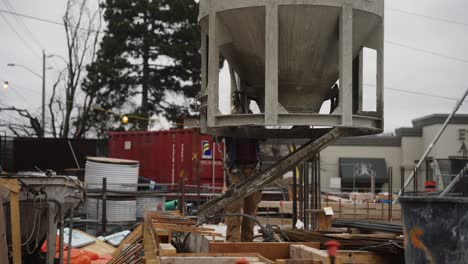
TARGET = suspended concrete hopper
(287,56)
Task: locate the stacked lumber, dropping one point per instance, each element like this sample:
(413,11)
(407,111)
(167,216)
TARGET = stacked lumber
(166,223)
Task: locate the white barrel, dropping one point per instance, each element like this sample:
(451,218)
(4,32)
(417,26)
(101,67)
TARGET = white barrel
(122,175)
(117,211)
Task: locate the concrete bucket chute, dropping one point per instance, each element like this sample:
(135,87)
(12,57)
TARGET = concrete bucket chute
(287,57)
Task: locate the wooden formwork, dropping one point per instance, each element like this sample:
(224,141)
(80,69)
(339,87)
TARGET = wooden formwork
(200,243)
(160,225)
(208,247)
(150,242)
(14,188)
(286,252)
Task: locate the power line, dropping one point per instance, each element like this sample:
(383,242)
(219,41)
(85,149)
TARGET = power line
(26,44)
(426,51)
(22,97)
(445,20)
(415,92)
(12,10)
(31,17)
(388,41)
(422,94)
(10,7)
(43,20)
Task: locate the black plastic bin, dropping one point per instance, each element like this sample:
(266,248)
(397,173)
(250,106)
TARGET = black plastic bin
(436,229)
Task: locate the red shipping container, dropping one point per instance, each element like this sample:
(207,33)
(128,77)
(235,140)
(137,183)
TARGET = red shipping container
(166,156)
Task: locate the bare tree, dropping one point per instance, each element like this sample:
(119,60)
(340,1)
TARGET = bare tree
(82,41)
(33,128)
(52,111)
(82,27)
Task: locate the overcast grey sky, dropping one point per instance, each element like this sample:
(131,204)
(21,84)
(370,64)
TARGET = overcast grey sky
(405,68)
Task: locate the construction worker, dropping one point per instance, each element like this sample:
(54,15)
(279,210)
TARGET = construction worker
(243,162)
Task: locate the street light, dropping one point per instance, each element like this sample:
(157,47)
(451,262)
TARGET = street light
(57,56)
(43,77)
(5,85)
(124,119)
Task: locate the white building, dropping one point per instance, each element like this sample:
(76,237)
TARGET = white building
(348,163)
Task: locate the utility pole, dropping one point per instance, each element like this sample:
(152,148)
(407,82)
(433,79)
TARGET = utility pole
(43,91)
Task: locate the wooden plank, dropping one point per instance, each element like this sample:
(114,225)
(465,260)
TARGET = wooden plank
(167,249)
(10,184)
(270,251)
(361,257)
(215,258)
(181,227)
(15,227)
(297,261)
(3,236)
(344,256)
(304,252)
(207,260)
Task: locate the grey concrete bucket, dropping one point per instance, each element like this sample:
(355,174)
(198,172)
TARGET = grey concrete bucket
(435,229)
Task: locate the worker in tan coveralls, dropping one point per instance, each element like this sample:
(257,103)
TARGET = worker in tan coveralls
(243,162)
